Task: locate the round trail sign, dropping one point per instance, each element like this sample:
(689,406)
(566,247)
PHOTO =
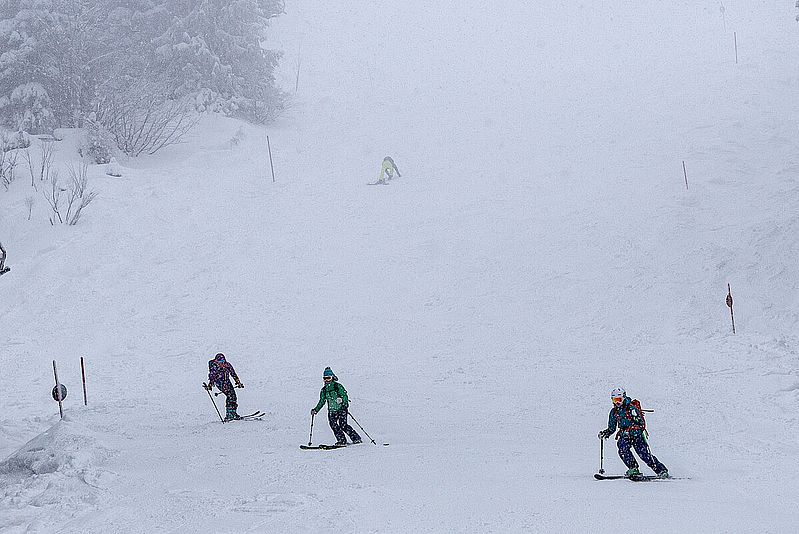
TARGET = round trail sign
(63,392)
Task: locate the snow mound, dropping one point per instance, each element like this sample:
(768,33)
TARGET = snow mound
(50,476)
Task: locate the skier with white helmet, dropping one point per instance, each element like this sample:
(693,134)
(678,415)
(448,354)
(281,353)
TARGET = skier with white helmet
(627,415)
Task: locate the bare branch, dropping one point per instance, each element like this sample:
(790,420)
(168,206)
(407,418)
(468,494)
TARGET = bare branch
(140,122)
(77,193)
(29,201)
(55,197)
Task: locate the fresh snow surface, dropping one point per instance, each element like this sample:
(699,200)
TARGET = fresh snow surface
(539,249)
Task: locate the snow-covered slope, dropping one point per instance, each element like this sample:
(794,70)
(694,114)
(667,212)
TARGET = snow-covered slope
(539,249)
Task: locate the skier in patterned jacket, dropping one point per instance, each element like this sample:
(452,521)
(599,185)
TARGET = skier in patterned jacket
(627,416)
(337,401)
(219,373)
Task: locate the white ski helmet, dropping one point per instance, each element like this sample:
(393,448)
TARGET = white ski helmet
(618,392)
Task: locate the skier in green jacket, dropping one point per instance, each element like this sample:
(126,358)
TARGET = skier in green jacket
(337,401)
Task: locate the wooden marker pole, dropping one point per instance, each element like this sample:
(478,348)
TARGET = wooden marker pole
(729,304)
(685,173)
(269,146)
(83,376)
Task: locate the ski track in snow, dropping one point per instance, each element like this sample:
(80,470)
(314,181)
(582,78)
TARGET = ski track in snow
(538,250)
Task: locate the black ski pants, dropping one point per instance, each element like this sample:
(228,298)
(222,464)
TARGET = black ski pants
(341,428)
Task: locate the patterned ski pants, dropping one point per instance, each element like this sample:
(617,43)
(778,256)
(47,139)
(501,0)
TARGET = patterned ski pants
(637,440)
(340,427)
(231,403)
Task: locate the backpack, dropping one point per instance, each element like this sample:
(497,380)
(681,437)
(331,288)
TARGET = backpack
(637,404)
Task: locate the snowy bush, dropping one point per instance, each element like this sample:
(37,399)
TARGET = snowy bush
(98,144)
(139,123)
(13,141)
(8,159)
(238,137)
(29,203)
(28,108)
(53,197)
(40,170)
(112,169)
(78,196)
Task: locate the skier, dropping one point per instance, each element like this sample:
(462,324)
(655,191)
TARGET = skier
(388,168)
(337,404)
(219,373)
(3,269)
(632,433)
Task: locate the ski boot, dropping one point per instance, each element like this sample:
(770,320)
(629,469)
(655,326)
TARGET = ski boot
(341,444)
(633,473)
(232,416)
(664,474)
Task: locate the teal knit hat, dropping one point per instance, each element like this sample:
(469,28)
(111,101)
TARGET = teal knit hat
(329,372)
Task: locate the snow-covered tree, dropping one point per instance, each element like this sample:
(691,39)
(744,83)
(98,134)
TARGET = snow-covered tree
(20,64)
(27,108)
(61,59)
(53,53)
(215,46)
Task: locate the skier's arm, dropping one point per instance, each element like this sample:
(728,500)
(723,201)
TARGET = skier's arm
(211,375)
(321,401)
(345,401)
(611,425)
(234,375)
(612,422)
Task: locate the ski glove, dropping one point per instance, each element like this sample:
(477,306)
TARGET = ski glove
(313,412)
(239,384)
(604,434)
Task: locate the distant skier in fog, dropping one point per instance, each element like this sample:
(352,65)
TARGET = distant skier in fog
(387,170)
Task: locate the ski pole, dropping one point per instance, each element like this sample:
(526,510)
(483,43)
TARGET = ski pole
(359,426)
(206,388)
(601,455)
(310,436)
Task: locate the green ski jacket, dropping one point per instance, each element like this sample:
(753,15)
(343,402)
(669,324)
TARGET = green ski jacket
(331,394)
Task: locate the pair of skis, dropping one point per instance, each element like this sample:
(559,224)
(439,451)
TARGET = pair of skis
(639,478)
(255,416)
(323,447)
(328,447)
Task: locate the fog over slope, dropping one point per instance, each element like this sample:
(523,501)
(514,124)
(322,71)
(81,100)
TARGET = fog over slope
(539,250)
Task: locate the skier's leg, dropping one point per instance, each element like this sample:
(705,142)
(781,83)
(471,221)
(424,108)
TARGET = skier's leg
(354,436)
(625,453)
(231,402)
(642,448)
(336,424)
